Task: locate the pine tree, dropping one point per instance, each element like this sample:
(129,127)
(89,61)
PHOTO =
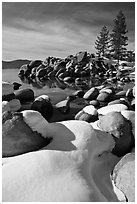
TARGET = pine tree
(102,41)
(118,38)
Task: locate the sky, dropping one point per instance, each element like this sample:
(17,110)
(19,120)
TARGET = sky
(36,30)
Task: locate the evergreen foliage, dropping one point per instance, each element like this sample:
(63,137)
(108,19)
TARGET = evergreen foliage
(102,41)
(118,38)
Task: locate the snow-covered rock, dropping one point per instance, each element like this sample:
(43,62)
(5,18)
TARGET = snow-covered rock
(114,107)
(66,170)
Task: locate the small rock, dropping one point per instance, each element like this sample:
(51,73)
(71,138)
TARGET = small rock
(14,105)
(107,90)
(119,101)
(120,94)
(129,93)
(16,85)
(91,94)
(104,97)
(68,79)
(63,106)
(71,98)
(90,110)
(35,63)
(95,103)
(88,114)
(79,93)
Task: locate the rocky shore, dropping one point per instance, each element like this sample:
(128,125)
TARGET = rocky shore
(80,149)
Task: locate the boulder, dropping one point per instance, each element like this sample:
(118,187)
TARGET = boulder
(71,98)
(52,73)
(63,106)
(104,97)
(23,70)
(81,56)
(63,75)
(117,125)
(24,95)
(114,107)
(130,115)
(120,94)
(41,73)
(78,161)
(124,176)
(120,101)
(7,88)
(68,79)
(14,105)
(133,104)
(91,94)
(43,105)
(129,93)
(7,91)
(88,114)
(61,70)
(16,85)
(35,63)
(95,103)
(85,117)
(90,110)
(109,90)
(60,65)
(18,137)
(79,93)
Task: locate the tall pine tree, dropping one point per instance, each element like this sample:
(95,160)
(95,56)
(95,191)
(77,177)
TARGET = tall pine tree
(102,41)
(118,38)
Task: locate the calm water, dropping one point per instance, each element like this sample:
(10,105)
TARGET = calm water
(57,90)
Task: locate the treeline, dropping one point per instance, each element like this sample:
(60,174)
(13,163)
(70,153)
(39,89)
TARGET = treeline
(114,44)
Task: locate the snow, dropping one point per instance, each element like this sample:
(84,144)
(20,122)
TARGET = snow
(74,167)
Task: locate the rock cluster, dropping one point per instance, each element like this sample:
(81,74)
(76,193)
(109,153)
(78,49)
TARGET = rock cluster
(102,132)
(72,68)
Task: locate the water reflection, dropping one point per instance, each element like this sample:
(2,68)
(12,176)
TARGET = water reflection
(79,83)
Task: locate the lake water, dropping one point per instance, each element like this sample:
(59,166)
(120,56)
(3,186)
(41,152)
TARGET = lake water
(56,89)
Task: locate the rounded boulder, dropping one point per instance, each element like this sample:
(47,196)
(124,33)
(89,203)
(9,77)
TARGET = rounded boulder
(25,95)
(124,176)
(114,107)
(120,128)
(43,105)
(91,94)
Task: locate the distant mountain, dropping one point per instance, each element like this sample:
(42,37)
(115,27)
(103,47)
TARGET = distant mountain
(15,64)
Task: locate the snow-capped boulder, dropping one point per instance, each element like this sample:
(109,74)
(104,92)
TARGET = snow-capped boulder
(124,176)
(71,174)
(43,105)
(114,107)
(88,114)
(18,137)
